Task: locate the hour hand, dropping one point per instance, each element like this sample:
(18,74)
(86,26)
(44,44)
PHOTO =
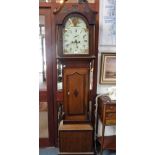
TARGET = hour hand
(76,36)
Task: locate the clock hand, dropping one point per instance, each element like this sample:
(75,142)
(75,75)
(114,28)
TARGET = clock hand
(77,42)
(76,36)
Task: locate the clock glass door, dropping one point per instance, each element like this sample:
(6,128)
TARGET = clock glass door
(75,36)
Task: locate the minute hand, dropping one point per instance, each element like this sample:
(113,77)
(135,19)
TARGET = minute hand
(76,36)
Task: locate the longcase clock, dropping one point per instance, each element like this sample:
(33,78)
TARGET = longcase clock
(75,50)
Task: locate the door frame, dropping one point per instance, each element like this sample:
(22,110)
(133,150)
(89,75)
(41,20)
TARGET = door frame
(50,141)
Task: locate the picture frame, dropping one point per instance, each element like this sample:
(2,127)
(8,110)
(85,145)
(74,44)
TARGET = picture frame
(107,30)
(108,68)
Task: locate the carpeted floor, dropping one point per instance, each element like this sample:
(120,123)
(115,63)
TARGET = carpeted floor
(54,151)
(48,151)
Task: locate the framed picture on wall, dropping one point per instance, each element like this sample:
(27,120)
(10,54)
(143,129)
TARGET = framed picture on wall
(107,30)
(108,68)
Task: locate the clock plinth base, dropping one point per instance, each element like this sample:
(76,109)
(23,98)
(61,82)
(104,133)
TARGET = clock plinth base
(75,139)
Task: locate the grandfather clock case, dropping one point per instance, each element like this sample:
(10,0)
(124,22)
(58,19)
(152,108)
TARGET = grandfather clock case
(75,50)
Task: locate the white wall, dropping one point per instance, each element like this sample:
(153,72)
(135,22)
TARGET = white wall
(106,44)
(107,36)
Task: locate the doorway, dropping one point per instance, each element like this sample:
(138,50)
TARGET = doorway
(46,116)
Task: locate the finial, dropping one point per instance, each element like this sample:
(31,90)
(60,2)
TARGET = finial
(62,2)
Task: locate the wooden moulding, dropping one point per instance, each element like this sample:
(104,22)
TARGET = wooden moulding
(109,142)
(75,127)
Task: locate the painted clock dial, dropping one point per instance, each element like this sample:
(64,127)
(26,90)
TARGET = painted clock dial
(75,36)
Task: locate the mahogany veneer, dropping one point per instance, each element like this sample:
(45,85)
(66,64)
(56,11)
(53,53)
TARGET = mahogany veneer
(107,114)
(75,139)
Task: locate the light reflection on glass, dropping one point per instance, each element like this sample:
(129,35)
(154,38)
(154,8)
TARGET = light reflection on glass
(42,53)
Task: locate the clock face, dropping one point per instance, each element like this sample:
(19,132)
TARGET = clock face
(75,36)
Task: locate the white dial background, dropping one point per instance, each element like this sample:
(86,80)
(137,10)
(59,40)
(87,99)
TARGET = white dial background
(75,36)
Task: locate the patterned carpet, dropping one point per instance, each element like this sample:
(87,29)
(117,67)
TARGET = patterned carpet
(54,151)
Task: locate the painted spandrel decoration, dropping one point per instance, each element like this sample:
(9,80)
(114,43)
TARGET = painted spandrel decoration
(108,23)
